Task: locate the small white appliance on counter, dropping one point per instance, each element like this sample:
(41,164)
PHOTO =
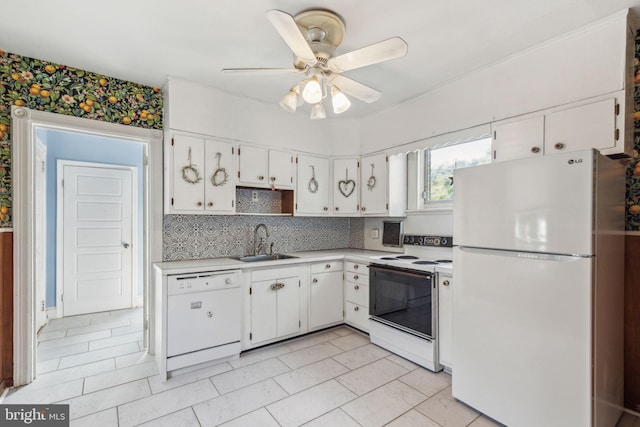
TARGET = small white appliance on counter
(538,301)
(200,319)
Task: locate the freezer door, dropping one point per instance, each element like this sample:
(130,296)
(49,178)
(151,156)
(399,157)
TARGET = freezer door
(542,204)
(522,337)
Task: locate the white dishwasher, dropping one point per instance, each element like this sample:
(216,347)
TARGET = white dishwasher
(203,317)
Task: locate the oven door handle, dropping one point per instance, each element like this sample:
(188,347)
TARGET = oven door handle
(401,271)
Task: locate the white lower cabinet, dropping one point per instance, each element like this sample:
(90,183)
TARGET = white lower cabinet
(356,295)
(275,296)
(445,319)
(325,295)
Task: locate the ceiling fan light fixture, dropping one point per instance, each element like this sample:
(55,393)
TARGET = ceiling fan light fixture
(312,92)
(317,111)
(339,100)
(291,100)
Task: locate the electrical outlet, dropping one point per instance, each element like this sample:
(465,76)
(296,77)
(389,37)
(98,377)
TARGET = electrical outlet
(254,196)
(375,233)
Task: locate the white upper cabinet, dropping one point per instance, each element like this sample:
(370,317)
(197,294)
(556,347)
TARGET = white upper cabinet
(374,188)
(346,186)
(590,125)
(312,186)
(261,167)
(517,139)
(199,175)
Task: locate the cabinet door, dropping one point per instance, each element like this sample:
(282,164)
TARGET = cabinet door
(445,318)
(346,186)
(374,179)
(312,186)
(264,308)
(280,169)
(587,126)
(288,313)
(219,180)
(326,299)
(252,165)
(518,139)
(187,171)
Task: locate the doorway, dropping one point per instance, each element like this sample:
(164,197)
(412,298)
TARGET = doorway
(26,124)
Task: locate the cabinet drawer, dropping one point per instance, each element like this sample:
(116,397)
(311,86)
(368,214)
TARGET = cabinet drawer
(356,267)
(274,273)
(357,315)
(323,267)
(358,278)
(355,293)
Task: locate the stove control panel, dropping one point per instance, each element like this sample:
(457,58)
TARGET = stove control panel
(438,241)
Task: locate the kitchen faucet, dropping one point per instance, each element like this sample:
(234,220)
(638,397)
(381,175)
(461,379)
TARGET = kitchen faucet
(258,246)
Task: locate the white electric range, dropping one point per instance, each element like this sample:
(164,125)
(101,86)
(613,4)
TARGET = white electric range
(403,304)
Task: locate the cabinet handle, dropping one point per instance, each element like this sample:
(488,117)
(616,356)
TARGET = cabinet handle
(355,277)
(315,280)
(210,204)
(273,178)
(199,203)
(364,209)
(445,283)
(355,266)
(327,266)
(356,287)
(274,286)
(535,149)
(559,146)
(325,209)
(356,308)
(260,177)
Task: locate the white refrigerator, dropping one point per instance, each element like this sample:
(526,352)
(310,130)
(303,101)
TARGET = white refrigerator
(538,290)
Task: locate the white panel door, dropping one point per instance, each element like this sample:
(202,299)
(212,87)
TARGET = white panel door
(518,139)
(374,181)
(264,308)
(252,165)
(522,337)
(541,204)
(98,252)
(280,169)
(326,301)
(312,190)
(219,179)
(188,173)
(288,313)
(346,186)
(40,235)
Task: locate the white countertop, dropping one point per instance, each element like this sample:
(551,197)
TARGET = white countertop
(213,264)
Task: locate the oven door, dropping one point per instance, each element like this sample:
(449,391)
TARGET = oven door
(403,299)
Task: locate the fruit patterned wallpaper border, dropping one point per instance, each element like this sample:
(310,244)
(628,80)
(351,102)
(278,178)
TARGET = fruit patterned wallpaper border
(633,164)
(46,86)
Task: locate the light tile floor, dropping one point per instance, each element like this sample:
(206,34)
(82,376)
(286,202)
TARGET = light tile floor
(97,365)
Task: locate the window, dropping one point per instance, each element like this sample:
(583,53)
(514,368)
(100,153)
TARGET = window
(440,163)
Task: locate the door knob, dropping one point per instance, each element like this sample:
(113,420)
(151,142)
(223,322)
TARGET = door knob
(125,245)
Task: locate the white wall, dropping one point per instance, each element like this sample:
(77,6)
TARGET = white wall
(200,109)
(575,66)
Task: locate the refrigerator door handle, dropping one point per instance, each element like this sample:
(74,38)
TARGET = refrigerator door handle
(523,255)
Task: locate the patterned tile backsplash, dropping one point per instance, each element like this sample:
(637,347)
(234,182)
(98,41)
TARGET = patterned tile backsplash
(266,201)
(199,236)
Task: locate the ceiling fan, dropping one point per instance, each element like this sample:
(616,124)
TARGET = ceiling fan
(313,36)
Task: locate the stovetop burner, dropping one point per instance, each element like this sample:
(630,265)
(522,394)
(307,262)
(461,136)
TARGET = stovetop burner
(423,262)
(406,257)
(388,258)
(444,261)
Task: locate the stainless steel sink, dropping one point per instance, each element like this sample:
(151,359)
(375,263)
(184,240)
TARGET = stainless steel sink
(262,257)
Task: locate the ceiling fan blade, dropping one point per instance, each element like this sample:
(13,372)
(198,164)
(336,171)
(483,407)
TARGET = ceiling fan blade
(286,26)
(353,88)
(264,71)
(373,54)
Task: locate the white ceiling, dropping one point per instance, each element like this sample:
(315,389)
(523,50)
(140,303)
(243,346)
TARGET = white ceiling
(147,40)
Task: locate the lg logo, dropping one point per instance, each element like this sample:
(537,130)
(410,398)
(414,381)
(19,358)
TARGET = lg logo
(572,161)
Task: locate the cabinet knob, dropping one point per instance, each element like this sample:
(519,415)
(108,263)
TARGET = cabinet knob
(273,178)
(315,280)
(355,277)
(325,209)
(199,203)
(364,209)
(356,308)
(559,146)
(445,283)
(356,287)
(260,177)
(535,149)
(210,204)
(355,266)
(337,208)
(327,266)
